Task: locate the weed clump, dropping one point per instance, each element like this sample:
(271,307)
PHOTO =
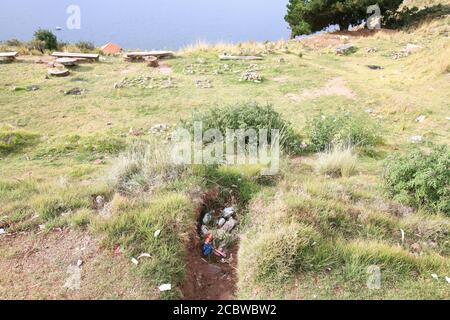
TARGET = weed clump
(420,179)
(144,167)
(337,162)
(356,129)
(13,140)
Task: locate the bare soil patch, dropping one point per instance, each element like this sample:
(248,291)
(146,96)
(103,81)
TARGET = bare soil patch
(336,86)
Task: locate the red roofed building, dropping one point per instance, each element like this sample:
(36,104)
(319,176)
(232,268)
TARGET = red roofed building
(111,48)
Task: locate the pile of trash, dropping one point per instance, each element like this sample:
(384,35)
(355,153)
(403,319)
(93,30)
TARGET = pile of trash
(251,76)
(145,82)
(214,229)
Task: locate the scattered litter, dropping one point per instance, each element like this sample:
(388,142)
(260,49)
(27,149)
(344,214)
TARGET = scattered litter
(165,287)
(221,222)
(134,261)
(219,253)
(74,92)
(229,260)
(41,226)
(79,263)
(207,249)
(144,255)
(2,231)
(228,212)
(370,110)
(207,218)
(98,162)
(157,233)
(229,225)
(33,88)
(416,139)
(375,67)
(435,276)
(119,250)
(420,118)
(403,235)
(447,279)
(371,50)
(204,230)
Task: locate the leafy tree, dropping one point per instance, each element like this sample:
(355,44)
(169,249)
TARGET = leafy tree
(307,16)
(47,37)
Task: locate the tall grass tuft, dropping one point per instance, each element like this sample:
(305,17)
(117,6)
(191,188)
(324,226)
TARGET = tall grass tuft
(340,161)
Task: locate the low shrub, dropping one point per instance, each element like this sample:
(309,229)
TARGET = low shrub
(420,179)
(245,116)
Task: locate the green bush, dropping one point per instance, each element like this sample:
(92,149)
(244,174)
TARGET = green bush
(245,116)
(346,129)
(47,37)
(421,179)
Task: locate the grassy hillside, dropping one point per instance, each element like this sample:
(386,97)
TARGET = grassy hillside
(306,233)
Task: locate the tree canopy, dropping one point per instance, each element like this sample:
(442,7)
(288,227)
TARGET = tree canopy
(308,16)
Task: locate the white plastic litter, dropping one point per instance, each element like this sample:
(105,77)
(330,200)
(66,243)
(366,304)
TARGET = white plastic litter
(79,263)
(207,218)
(435,276)
(228,212)
(447,279)
(144,255)
(165,287)
(403,235)
(157,233)
(135,261)
(229,225)
(221,222)
(2,231)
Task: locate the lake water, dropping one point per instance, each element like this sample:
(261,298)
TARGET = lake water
(148,24)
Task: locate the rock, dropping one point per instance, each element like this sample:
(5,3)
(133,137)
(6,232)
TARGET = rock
(416,139)
(74,92)
(411,48)
(345,49)
(58,72)
(203,84)
(251,76)
(415,247)
(375,67)
(420,118)
(136,132)
(158,128)
(100,202)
